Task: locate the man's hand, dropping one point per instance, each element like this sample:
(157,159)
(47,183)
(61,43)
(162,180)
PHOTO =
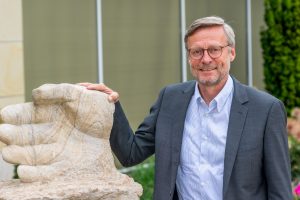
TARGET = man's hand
(112,95)
(64,132)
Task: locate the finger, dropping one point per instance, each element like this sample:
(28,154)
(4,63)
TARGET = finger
(56,93)
(17,114)
(28,134)
(27,113)
(31,174)
(100,87)
(32,155)
(112,95)
(85,84)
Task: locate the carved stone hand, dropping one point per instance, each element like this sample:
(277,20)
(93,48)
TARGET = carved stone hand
(63,133)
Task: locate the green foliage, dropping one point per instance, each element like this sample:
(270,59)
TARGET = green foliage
(145,176)
(281,50)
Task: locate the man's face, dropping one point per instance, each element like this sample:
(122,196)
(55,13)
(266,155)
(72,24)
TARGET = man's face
(207,70)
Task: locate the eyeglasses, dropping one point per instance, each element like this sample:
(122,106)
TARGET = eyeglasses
(214,52)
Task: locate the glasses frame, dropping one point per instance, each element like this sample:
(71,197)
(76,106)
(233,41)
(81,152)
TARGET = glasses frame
(203,50)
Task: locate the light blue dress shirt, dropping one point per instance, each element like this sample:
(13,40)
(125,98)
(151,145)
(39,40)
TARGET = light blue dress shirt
(200,172)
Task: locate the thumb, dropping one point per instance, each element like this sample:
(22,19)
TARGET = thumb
(31,174)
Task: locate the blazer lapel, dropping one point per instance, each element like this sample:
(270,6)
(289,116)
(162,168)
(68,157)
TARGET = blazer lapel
(237,119)
(180,109)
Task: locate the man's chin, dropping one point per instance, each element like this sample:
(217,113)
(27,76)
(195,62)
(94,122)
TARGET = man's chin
(209,81)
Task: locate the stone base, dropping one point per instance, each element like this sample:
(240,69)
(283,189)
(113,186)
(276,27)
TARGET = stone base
(75,190)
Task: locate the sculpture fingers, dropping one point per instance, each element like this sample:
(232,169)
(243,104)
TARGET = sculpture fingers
(17,114)
(28,134)
(42,154)
(56,93)
(30,174)
(28,113)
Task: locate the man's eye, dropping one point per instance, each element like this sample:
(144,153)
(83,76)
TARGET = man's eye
(214,50)
(197,51)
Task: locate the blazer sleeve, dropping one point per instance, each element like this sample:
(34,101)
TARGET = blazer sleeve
(133,148)
(276,155)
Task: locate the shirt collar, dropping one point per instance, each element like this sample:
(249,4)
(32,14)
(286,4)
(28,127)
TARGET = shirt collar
(222,97)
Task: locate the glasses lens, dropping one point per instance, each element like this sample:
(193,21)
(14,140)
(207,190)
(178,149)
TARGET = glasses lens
(196,53)
(214,52)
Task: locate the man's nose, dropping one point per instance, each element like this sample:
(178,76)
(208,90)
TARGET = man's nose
(206,57)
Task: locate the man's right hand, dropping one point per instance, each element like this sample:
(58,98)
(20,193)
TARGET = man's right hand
(113,96)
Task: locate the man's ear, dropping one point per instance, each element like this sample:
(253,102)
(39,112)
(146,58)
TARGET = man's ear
(232,54)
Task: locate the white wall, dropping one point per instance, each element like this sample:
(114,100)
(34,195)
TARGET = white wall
(11,63)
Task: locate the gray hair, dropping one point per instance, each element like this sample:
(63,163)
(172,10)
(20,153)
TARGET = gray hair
(209,22)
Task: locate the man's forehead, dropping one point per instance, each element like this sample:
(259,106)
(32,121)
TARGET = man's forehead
(209,32)
(208,36)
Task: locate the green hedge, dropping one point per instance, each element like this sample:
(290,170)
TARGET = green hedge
(281,50)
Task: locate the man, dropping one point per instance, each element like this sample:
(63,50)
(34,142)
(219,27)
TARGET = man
(213,138)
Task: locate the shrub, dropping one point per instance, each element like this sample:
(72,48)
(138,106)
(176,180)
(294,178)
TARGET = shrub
(280,42)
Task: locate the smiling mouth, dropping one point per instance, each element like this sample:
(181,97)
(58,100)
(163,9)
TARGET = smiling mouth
(207,69)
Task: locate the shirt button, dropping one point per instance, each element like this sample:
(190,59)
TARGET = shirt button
(202,183)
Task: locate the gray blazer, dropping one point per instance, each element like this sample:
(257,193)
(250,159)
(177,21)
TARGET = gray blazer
(256,165)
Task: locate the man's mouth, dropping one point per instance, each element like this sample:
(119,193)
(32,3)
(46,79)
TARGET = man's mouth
(207,69)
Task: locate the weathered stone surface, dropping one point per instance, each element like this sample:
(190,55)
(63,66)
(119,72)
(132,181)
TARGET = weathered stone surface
(65,190)
(61,142)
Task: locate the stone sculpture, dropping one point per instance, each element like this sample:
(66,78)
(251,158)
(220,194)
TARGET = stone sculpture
(61,143)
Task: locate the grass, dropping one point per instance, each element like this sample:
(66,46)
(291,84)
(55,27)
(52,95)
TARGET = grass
(144,174)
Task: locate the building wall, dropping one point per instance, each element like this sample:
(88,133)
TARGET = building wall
(257,24)
(141,44)
(60,44)
(11,63)
(141,41)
